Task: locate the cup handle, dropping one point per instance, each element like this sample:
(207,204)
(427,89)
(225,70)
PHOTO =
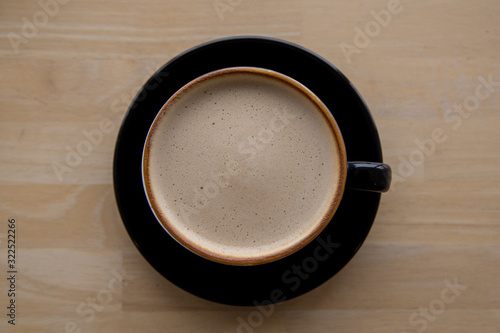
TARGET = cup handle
(368,176)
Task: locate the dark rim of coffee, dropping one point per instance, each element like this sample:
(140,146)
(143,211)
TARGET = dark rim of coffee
(296,245)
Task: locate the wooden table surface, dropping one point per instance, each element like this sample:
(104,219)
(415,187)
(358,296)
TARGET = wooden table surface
(429,72)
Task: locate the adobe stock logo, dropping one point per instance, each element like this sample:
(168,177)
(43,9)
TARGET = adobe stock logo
(76,154)
(30,28)
(223,6)
(363,37)
(249,149)
(453,118)
(87,311)
(292,278)
(420,319)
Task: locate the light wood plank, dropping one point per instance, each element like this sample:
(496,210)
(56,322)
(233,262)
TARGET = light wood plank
(84,65)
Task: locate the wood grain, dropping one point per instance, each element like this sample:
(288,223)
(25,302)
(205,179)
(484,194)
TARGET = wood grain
(86,61)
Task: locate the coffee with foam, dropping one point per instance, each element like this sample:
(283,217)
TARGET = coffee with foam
(244,166)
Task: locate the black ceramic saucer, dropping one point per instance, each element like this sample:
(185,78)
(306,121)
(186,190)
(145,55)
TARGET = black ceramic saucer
(288,277)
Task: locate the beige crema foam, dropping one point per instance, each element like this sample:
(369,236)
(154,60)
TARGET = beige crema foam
(242,165)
